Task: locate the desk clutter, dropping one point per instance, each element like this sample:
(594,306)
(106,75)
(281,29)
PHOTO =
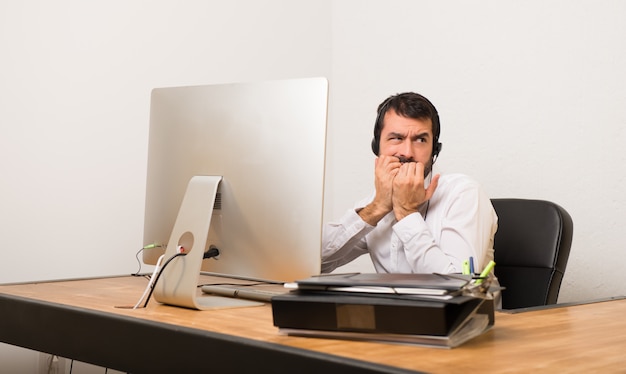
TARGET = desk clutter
(440,310)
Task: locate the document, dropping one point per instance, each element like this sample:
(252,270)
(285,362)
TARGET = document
(384,283)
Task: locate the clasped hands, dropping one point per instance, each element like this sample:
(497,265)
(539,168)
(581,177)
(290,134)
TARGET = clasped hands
(399,188)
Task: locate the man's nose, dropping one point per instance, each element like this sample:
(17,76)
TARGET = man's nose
(405,150)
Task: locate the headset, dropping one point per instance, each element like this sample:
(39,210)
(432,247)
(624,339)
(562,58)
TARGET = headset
(399,100)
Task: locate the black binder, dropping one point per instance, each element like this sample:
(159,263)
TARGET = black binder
(322,312)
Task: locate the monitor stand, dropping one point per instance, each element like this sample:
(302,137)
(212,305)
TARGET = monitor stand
(178,282)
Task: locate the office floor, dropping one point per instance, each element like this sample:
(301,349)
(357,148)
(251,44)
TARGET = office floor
(17,360)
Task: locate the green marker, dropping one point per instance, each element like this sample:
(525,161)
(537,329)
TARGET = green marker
(486,272)
(466,267)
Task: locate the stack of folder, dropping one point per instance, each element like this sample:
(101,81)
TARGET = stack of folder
(425,309)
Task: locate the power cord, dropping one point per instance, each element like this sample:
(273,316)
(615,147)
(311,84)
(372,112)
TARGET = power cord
(212,252)
(158,272)
(152,281)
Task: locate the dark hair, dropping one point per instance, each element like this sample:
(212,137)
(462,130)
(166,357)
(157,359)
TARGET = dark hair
(409,105)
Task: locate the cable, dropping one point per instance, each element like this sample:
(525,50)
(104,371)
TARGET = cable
(159,275)
(158,270)
(50,362)
(138,262)
(428,202)
(264,283)
(149,246)
(152,281)
(212,252)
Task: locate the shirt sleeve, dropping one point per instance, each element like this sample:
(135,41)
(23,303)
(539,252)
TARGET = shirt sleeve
(467,226)
(344,240)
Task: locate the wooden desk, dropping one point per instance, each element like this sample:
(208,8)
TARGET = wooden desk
(79,319)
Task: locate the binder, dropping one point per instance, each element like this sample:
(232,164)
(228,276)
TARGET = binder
(314,307)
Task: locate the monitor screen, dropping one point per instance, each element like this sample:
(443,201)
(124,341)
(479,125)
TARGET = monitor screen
(265,143)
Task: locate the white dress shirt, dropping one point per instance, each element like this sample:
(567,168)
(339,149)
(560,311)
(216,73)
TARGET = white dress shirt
(458,222)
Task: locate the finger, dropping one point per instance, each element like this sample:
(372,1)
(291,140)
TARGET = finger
(388,159)
(387,162)
(408,168)
(419,169)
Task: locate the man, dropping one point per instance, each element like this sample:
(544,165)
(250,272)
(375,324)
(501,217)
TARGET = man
(414,222)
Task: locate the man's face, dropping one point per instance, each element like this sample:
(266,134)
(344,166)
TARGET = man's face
(408,139)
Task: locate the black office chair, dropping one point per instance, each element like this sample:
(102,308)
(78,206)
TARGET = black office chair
(532,247)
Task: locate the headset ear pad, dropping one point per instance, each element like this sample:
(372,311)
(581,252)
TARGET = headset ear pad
(437,149)
(375,146)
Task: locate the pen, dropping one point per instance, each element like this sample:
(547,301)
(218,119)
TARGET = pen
(486,271)
(471,264)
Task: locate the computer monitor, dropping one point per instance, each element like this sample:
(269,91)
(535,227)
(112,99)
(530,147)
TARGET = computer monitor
(237,167)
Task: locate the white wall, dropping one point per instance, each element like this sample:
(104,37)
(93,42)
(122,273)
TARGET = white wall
(75,81)
(531,97)
(74,103)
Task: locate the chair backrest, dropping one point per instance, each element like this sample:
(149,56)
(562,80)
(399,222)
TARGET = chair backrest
(532,246)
